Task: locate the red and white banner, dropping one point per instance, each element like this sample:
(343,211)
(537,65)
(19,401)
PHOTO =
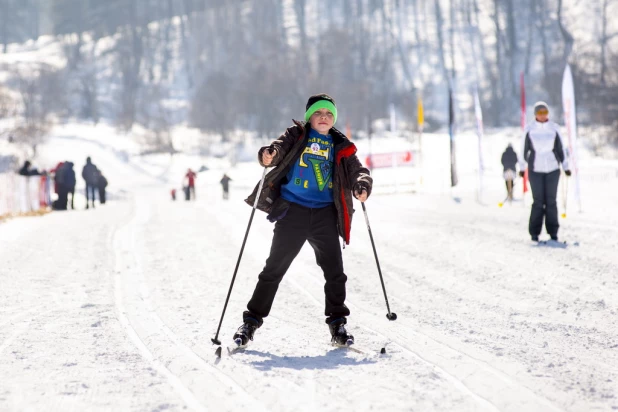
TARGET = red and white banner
(391,159)
(22,194)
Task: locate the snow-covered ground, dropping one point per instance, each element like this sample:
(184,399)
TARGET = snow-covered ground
(114,308)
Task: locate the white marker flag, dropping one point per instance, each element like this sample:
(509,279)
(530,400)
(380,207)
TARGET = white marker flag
(570,120)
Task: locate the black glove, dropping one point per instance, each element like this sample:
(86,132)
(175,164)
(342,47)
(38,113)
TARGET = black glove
(359,187)
(567,172)
(521,174)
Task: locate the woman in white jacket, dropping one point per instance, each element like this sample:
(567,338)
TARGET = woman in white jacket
(543,152)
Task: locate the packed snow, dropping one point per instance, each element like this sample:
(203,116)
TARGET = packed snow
(114,308)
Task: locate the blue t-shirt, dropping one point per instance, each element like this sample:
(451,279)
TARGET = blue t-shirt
(310,180)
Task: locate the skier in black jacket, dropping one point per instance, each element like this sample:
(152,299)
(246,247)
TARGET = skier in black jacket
(89,173)
(509,163)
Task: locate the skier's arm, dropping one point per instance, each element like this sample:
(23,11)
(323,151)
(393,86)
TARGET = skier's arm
(565,151)
(359,176)
(280,147)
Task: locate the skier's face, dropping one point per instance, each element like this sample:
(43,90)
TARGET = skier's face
(542,115)
(322,121)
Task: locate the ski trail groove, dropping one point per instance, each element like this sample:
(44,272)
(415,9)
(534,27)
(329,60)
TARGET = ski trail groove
(457,383)
(146,329)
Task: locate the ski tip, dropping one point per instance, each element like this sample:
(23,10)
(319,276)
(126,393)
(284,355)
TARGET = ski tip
(500,204)
(218,352)
(564,215)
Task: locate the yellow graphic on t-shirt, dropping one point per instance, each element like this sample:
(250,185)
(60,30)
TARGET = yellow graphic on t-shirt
(321,152)
(306,185)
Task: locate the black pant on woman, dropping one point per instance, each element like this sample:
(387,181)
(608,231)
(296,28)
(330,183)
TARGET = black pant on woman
(544,191)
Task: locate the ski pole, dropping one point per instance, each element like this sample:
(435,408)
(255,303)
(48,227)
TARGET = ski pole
(565,193)
(503,202)
(508,195)
(216,340)
(390,315)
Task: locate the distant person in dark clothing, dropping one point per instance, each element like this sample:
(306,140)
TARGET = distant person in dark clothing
(101,184)
(509,163)
(65,183)
(71,181)
(26,171)
(225,183)
(89,173)
(190,188)
(173,193)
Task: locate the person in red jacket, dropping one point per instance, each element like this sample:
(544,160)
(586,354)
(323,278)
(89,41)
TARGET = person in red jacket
(191,176)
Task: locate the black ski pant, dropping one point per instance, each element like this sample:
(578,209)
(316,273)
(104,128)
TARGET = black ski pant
(300,224)
(63,194)
(90,190)
(544,191)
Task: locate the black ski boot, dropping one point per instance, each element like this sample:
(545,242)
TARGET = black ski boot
(340,336)
(245,332)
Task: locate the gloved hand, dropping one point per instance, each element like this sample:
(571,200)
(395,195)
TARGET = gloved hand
(522,174)
(361,191)
(567,172)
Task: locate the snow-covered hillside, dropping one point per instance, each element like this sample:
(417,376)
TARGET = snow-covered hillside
(114,308)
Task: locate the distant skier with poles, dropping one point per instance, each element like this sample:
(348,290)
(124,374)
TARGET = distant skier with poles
(543,151)
(509,163)
(309,196)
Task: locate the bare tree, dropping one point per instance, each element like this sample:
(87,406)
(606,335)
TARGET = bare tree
(605,38)
(7,105)
(566,35)
(41,93)
(440,34)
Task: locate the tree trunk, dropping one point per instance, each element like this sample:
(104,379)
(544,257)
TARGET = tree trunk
(531,19)
(497,86)
(540,12)
(440,26)
(5,4)
(401,49)
(566,35)
(513,51)
(452,39)
(603,41)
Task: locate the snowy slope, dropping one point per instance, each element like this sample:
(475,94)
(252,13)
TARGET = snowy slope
(114,308)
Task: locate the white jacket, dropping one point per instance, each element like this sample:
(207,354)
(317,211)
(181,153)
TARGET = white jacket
(543,148)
